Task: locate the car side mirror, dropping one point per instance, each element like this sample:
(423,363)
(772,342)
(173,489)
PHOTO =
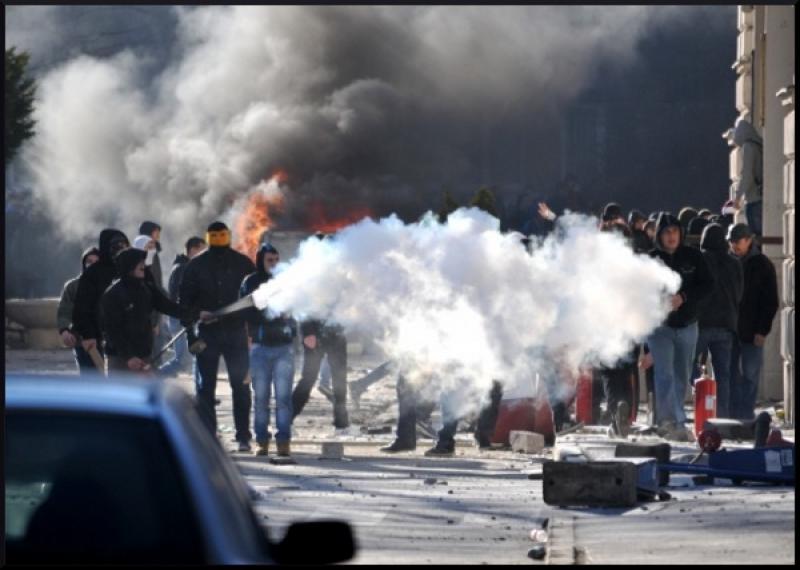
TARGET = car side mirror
(315,542)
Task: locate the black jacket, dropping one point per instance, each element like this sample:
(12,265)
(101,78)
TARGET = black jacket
(697,282)
(640,242)
(176,275)
(721,308)
(760,298)
(277,331)
(92,284)
(126,310)
(321,329)
(211,281)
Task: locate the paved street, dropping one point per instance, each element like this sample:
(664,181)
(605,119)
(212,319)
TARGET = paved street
(480,506)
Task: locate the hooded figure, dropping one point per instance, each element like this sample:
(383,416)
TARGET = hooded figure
(718,315)
(639,240)
(686,215)
(696,279)
(211,281)
(126,313)
(672,345)
(93,283)
(271,359)
(695,230)
(67,302)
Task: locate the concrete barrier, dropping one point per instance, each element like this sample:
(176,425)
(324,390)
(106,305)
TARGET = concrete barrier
(38,317)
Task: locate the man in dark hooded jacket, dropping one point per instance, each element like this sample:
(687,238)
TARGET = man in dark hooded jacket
(91,286)
(127,307)
(64,314)
(718,315)
(672,345)
(211,281)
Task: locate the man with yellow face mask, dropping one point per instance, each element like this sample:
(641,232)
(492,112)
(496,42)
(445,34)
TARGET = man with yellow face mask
(211,281)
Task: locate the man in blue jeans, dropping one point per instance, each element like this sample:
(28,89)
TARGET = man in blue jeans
(271,359)
(718,316)
(756,311)
(672,344)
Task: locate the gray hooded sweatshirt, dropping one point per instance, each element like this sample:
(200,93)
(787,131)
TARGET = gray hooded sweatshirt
(749,184)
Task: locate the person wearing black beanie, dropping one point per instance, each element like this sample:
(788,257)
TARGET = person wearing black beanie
(127,307)
(64,313)
(91,285)
(211,281)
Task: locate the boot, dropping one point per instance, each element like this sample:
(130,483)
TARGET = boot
(262,448)
(283,449)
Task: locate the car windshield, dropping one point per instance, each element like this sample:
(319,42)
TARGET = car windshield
(95,488)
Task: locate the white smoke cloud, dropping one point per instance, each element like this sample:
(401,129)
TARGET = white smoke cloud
(466,304)
(350,94)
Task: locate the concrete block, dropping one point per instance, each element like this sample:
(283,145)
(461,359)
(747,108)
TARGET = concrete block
(526,441)
(660,451)
(732,429)
(596,483)
(332,450)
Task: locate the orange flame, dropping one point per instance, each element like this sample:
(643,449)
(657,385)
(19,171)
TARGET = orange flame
(256,216)
(320,221)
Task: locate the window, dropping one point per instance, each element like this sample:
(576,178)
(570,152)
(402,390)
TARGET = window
(88,488)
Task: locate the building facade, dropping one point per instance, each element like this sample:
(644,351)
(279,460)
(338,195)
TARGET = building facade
(765,69)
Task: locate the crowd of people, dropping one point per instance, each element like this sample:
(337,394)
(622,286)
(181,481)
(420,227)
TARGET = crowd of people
(111,316)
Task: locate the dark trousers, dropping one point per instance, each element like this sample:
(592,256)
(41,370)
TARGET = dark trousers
(411,408)
(486,419)
(619,385)
(84,361)
(335,346)
(233,348)
(488,415)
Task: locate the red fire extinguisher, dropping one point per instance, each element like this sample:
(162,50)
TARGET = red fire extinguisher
(705,400)
(583,397)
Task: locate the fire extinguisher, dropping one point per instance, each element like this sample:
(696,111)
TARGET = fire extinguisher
(705,400)
(583,398)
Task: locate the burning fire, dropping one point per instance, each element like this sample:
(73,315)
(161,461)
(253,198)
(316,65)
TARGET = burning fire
(255,212)
(320,221)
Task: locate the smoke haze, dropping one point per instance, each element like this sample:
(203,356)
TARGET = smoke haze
(359,105)
(459,304)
